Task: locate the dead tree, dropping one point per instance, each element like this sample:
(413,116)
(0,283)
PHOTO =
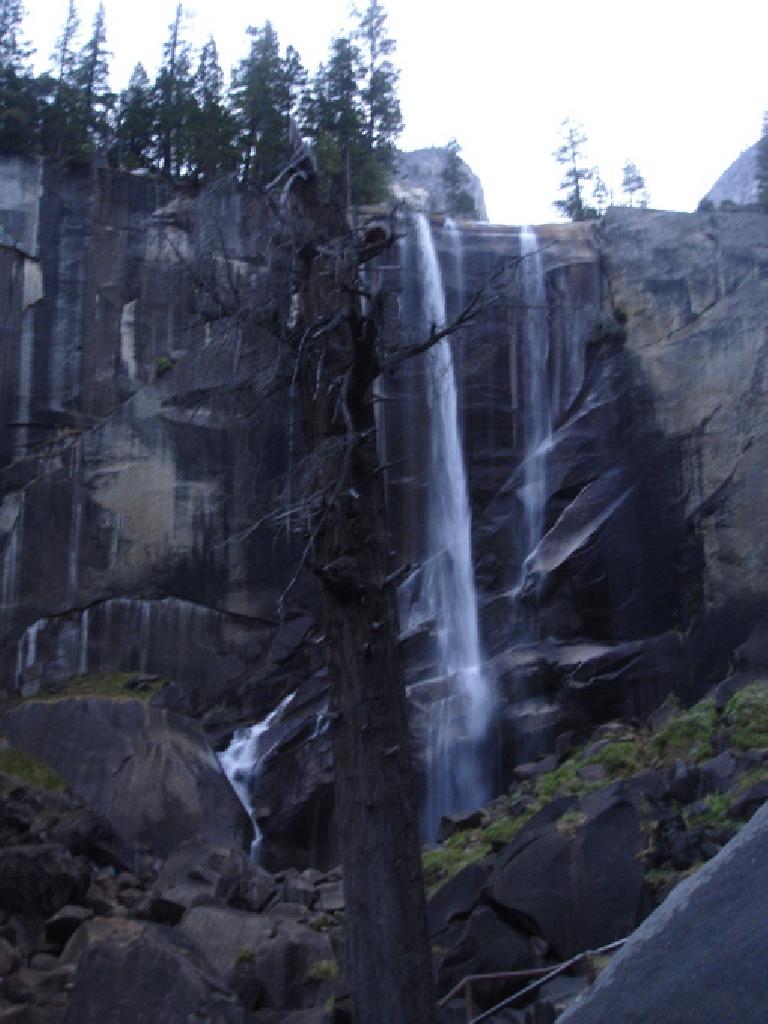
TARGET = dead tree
(389,961)
(333,351)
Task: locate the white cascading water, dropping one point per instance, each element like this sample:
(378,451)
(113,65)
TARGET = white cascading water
(458,724)
(242,760)
(537,410)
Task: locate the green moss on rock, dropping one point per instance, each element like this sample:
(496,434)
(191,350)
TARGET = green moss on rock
(747,712)
(112,684)
(619,759)
(443,863)
(688,736)
(29,770)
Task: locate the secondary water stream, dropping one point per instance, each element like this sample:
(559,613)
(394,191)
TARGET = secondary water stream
(537,407)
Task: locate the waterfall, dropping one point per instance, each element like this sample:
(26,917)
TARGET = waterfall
(242,760)
(457,723)
(76,521)
(10,568)
(537,407)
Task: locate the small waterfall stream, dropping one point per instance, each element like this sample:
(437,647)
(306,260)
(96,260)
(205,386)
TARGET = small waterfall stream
(458,722)
(242,760)
(537,430)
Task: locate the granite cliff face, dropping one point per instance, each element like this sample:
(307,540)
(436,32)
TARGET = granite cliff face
(738,183)
(419,179)
(140,459)
(135,463)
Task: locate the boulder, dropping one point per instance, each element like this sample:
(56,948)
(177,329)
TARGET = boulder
(748,802)
(579,876)
(457,897)
(279,953)
(459,822)
(330,897)
(483,944)
(41,878)
(144,974)
(83,831)
(9,958)
(65,922)
(96,930)
(149,772)
(697,957)
(717,773)
(40,987)
(197,873)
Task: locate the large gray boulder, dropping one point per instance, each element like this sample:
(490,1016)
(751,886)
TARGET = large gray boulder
(286,962)
(142,974)
(698,959)
(149,772)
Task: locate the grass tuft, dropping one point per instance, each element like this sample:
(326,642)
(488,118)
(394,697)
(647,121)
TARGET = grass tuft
(323,970)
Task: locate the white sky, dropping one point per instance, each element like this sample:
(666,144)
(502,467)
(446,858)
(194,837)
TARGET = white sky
(678,86)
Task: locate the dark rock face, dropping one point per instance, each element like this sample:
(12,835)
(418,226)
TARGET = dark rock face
(127,525)
(150,773)
(672,970)
(142,459)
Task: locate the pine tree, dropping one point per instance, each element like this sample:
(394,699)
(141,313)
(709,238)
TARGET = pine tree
(263,95)
(335,119)
(174,99)
(381,106)
(18,101)
(63,129)
(458,198)
(135,122)
(14,49)
(762,166)
(211,126)
(96,101)
(570,154)
(633,182)
(600,194)
(65,56)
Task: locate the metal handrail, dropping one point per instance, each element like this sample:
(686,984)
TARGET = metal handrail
(540,974)
(553,973)
(530,972)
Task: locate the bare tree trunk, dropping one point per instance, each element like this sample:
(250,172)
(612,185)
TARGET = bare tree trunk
(389,957)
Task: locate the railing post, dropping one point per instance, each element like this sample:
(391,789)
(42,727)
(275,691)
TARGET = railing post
(469,1003)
